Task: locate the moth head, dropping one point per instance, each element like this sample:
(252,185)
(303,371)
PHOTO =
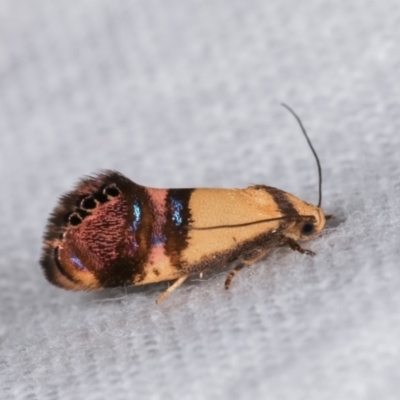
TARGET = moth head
(89,235)
(309,222)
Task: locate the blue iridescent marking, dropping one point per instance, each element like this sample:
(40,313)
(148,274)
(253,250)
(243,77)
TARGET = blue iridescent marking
(137,214)
(135,246)
(158,240)
(77,262)
(177,208)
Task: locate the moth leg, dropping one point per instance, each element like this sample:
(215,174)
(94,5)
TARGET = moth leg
(175,285)
(286,241)
(232,274)
(245,263)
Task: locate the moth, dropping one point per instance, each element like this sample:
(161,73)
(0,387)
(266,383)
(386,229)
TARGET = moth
(109,231)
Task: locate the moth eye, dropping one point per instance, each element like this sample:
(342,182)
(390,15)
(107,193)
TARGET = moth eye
(74,219)
(308,229)
(111,191)
(88,203)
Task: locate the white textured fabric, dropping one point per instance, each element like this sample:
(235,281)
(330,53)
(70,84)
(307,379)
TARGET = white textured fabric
(186,93)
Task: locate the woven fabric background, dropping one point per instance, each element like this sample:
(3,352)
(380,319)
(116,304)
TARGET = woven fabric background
(186,94)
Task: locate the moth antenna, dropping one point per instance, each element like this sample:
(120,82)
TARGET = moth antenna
(312,149)
(259,221)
